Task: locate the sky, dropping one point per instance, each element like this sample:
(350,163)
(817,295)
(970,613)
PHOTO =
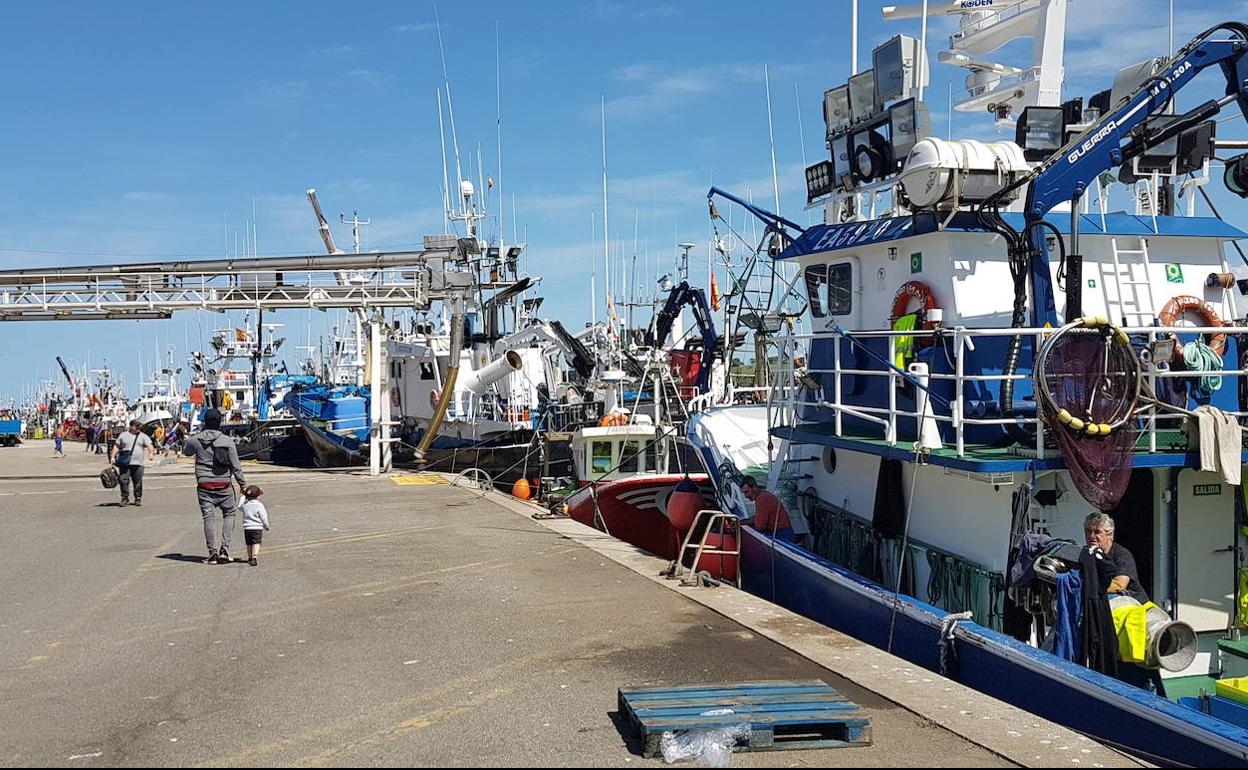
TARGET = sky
(148,130)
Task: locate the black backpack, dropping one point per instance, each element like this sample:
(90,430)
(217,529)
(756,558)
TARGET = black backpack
(221,464)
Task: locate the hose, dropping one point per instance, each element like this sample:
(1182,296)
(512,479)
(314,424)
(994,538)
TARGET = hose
(1198,356)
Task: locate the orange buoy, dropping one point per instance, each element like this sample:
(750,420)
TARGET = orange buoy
(521,489)
(684,503)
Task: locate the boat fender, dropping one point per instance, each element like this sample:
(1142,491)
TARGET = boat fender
(434,396)
(1177,306)
(684,503)
(395,398)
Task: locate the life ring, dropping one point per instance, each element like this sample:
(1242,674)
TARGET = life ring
(916,290)
(1184,303)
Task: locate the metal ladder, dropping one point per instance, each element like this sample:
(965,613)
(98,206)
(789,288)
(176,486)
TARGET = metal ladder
(689,576)
(1125,276)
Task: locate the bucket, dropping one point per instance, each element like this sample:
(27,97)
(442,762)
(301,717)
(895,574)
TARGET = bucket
(1171,643)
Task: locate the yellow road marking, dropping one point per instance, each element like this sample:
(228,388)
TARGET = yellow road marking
(416,480)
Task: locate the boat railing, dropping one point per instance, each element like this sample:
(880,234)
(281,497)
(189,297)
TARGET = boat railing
(929,410)
(735,396)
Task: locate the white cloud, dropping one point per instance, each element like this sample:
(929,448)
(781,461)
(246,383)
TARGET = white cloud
(427,26)
(665,90)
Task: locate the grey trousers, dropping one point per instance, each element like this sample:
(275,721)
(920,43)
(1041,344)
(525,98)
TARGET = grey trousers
(126,474)
(209,501)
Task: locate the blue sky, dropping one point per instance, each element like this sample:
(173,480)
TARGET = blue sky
(138,130)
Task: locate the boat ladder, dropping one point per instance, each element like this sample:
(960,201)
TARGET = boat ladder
(1126,275)
(692,576)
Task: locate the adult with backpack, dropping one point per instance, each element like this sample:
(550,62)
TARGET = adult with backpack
(216,463)
(128,453)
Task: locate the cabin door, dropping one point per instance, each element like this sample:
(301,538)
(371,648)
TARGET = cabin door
(1204,537)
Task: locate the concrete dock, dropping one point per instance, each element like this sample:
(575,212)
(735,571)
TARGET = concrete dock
(399,621)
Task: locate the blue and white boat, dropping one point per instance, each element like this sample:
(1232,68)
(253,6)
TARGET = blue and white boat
(908,445)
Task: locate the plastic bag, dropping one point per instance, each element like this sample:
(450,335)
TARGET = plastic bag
(708,748)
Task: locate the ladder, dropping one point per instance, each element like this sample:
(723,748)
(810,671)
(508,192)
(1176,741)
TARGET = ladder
(1127,276)
(690,576)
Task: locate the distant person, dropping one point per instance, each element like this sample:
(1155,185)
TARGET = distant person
(769,517)
(216,462)
(128,453)
(58,441)
(255,522)
(100,438)
(90,436)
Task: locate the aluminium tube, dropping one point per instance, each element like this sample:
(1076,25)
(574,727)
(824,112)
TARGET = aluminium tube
(448,386)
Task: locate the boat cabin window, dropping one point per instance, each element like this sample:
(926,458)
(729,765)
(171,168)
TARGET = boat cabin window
(817,289)
(840,289)
(652,456)
(600,457)
(630,457)
(426,370)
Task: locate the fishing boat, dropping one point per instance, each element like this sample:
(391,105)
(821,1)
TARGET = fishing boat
(995,351)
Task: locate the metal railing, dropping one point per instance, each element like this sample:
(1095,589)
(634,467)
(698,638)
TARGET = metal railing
(961,340)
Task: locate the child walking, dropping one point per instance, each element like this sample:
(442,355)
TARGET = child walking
(255,522)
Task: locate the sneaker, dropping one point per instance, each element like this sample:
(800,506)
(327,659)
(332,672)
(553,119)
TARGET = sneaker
(139,503)
(125,501)
(253,562)
(212,559)
(224,557)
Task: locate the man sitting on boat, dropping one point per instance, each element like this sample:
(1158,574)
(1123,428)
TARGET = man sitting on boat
(769,517)
(1117,575)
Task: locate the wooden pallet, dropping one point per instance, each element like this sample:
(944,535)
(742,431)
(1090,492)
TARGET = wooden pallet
(782,714)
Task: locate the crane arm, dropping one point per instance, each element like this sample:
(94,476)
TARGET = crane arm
(695,298)
(1109,142)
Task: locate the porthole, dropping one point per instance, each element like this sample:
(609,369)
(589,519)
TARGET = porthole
(829,460)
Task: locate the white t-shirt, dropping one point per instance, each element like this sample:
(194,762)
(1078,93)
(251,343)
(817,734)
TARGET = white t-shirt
(254,515)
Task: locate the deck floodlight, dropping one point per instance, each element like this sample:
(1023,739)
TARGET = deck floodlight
(873,157)
(908,123)
(895,65)
(1236,175)
(836,115)
(1040,131)
(1196,146)
(862,102)
(842,164)
(819,181)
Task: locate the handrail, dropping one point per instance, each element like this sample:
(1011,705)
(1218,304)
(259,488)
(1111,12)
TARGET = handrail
(829,394)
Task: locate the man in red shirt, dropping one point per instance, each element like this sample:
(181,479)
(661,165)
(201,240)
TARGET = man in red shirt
(770,517)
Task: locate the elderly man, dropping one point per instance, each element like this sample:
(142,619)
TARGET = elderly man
(770,517)
(1116,568)
(1117,574)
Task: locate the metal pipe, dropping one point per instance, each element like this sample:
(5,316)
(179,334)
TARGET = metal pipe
(448,386)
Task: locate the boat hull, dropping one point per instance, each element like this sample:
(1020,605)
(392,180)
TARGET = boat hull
(988,661)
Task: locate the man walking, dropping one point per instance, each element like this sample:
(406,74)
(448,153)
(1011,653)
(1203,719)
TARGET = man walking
(128,453)
(216,461)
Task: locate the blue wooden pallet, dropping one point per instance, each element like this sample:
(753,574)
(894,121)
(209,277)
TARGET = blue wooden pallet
(786,714)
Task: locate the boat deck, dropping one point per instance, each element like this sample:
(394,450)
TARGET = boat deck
(981,458)
(388,623)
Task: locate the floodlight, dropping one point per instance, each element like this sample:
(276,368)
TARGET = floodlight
(872,156)
(1236,175)
(819,181)
(908,123)
(862,103)
(836,109)
(842,167)
(895,68)
(1196,145)
(1040,131)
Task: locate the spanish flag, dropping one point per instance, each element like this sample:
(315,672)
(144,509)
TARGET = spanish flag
(714,293)
(241,335)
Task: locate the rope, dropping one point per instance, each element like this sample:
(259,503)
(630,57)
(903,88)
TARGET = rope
(945,645)
(1199,357)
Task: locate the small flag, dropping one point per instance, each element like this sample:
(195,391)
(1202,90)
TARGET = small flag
(714,293)
(241,335)
(489,183)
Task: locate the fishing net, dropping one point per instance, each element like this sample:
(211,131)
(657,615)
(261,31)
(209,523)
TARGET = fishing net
(1088,384)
